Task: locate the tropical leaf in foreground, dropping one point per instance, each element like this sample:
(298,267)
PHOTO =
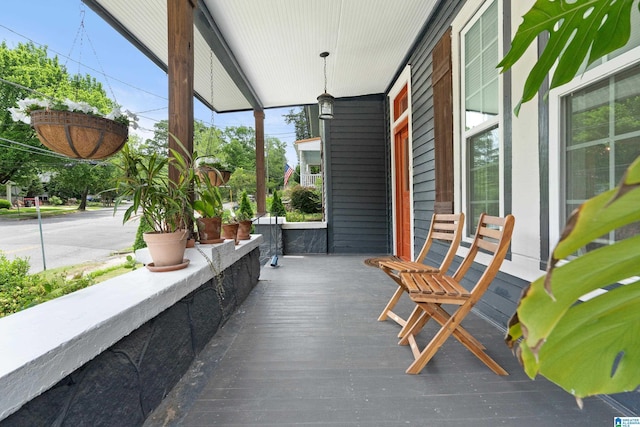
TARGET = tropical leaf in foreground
(590,347)
(576,29)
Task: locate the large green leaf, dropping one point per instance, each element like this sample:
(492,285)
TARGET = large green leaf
(591,347)
(576,29)
(596,347)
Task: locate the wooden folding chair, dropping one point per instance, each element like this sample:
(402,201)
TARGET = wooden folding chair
(444,227)
(430,291)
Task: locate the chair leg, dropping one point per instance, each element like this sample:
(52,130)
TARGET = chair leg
(416,327)
(424,312)
(413,318)
(441,316)
(451,326)
(390,305)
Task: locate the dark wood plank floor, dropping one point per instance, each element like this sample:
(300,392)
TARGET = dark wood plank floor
(306,349)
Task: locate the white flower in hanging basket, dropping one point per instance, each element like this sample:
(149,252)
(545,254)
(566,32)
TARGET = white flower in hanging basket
(75,129)
(22,113)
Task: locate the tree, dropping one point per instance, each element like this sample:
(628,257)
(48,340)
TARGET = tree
(78,179)
(238,148)
(23,65)
(240,180)
(160,141)
(276,160)
(590,347)
(300,122)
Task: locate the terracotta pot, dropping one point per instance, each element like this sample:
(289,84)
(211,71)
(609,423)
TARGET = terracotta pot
(244,230)
(209,230)
(79,135)
(166,249)
(230,231)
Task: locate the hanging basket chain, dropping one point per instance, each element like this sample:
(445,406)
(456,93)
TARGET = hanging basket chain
(212,128)
(80,35)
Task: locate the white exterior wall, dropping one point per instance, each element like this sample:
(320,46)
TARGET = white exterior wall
(525,246)
(525,171)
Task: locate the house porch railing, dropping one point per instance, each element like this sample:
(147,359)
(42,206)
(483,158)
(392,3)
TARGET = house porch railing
(309,179)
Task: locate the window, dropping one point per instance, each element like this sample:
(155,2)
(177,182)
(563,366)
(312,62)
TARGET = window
(602,138)
(481,107)
(483,165)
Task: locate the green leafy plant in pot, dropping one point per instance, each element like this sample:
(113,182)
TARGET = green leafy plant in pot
(209,206)
(164,203)
(244,215)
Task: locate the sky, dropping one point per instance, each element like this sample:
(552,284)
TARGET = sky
(128,76)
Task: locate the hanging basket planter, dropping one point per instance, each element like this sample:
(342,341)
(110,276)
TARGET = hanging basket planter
(79,135)
(216,176)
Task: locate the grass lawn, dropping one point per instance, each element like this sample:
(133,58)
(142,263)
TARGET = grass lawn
(99,271)
(45,211)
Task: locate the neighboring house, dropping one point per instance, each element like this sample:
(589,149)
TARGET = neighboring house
(442,137)
(310,157)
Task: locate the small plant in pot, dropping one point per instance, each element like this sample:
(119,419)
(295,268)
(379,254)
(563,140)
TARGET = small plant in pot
(163,203)
(209,206)
(229,226)
(244,215)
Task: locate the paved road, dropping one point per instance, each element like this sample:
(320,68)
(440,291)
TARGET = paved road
(68,239)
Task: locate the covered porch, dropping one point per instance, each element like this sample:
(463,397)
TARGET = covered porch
(306,349)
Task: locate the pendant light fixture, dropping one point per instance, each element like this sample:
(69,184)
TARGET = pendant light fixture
(325,101)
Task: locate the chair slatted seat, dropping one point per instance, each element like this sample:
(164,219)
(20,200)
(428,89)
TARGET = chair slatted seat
(444,227)
(430,291)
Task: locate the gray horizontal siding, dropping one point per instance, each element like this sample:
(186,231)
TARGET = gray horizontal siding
(356,155)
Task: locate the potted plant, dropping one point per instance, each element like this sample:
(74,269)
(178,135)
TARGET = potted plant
(244,215)
(209,205)
(229,225)
(218,173)
(75,129)
(163,203)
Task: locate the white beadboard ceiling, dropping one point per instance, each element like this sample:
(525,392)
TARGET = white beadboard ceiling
(277,44)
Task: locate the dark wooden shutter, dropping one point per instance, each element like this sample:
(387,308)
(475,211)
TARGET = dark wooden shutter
(443,123)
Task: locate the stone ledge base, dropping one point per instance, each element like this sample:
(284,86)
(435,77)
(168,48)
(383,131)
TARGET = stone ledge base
(123,384)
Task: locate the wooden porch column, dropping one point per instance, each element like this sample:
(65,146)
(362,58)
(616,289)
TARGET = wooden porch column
(260,177)
(180,70)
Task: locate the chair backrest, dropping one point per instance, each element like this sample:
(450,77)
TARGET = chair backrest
(447,227)
(493,235)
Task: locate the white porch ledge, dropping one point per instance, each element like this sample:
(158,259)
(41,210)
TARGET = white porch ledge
(308,225)
(43,344)
(311,225)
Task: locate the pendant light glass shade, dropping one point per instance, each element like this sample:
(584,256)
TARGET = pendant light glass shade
(325,101)
(325,104)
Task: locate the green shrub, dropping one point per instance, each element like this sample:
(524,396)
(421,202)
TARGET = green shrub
(143,227)
(305,199)
(297,216)
(55,200)
(277,207)
(20,290)
(245,211)
(5,204)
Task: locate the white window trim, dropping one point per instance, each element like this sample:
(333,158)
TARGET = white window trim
(556,128)
(469,14)
(403,79)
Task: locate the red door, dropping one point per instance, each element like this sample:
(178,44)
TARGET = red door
(402,191)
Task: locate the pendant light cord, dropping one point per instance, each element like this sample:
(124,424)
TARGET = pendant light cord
(325,74)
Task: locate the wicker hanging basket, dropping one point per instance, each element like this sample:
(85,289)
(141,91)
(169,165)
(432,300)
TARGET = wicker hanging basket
(217,177)
(79,135)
